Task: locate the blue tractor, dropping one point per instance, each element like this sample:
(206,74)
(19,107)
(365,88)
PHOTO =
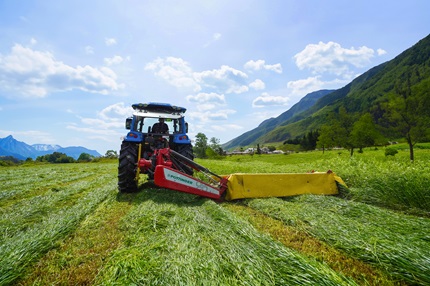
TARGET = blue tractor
(153,127)
(158,145)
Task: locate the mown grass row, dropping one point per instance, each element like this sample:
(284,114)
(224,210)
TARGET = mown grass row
(397,243)
(25,182)
(179,239)
(22,248)
(79,257)
(300,240)
(22,215)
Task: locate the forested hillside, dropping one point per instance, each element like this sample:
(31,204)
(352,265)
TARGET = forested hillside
(406,76)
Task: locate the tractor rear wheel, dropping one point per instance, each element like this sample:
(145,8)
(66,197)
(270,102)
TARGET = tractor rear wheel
(127,167)
(186,150)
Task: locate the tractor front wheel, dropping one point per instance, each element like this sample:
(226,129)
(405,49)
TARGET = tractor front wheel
(127,167)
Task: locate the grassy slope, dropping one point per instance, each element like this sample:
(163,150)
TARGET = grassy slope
(81,230)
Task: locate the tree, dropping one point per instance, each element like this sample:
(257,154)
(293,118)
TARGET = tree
(309,140)
(216,146)
(201,145)
(327,137)
(111,154)
(85,157)
(55,157)
(364,132)
(271,148)
(346,122)
(336,133)
(407,112)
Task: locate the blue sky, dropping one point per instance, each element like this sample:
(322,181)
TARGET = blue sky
(69,70)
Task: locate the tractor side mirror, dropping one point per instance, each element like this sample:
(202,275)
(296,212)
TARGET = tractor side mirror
(186,127)
(128,123)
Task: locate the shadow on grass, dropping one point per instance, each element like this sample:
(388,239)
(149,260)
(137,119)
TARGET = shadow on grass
(149,191)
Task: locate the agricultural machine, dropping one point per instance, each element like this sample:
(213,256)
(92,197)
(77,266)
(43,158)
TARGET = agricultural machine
(157,145)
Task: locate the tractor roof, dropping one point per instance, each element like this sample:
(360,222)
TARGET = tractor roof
(157,110)
(156,107)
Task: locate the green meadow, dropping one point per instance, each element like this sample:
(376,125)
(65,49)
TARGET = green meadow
(67,224)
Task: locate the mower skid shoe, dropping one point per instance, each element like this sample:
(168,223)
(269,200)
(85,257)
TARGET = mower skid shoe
(169,178)
(242,186)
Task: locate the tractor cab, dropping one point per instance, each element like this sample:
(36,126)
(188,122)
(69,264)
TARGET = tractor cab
(146,116)
(144,139)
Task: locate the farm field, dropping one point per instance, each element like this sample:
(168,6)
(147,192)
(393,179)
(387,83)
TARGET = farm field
(66,224)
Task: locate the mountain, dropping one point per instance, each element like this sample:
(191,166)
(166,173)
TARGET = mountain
(15,148)
(364,94)
(268,125)
(9,146)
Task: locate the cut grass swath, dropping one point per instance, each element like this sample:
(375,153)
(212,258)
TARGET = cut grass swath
(179,239)
(20,216)
(32,181)
(303,242)
(397,243)
(78,259)
(24,248)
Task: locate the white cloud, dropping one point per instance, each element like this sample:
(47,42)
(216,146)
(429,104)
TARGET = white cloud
(114,111)
(224,127)
(300,88)
(207,101)
(106,122)
(89,50)
(381,52)
(110,41)
(237,89)
(102,130)
(304,86)
(175,71)
(261,64)
(178,73)
(207,116)
(226,79)
(207,98)
(257,84)
(36,73)
(29,136)
(215,37)
(269,100)
(332,58)
(115,60)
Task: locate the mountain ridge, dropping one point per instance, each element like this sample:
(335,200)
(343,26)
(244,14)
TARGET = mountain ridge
(269,124)
(9,146)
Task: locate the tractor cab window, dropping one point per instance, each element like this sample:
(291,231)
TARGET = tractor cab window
(152,123)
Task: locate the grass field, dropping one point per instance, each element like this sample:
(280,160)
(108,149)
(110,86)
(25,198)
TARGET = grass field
(66,224)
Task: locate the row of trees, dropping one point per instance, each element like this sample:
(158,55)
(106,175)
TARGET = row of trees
(58,157)
(402,113)
(341,130)
(344,130)
(204,149)
(306,142)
